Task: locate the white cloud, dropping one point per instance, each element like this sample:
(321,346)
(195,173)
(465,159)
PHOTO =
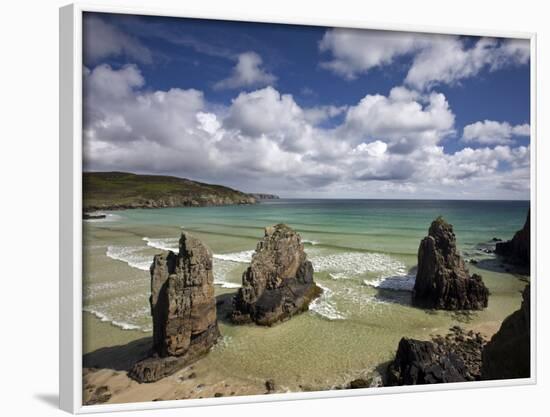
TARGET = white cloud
(319,114)
(102,40)
(356,51)
(248,72)
(448,59)
(403,119)
(264,141)
(436,59)
(490,132)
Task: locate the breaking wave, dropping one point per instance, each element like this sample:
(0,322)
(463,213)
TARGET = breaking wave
(131,256)
(324,305)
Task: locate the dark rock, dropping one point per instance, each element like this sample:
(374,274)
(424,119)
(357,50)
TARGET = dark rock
(93,216)
(183,307)
(518,250)
(359,383)
(508,353)
(218,395)
(496,239)
(98,396)
(453,358)
(279,281)
(442,280)
(263,196)
(270,385)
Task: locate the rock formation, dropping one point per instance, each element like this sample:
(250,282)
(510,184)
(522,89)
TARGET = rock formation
(442,280)
(507,355)
(518,250)
(453,358)
(279,281)
(183,307)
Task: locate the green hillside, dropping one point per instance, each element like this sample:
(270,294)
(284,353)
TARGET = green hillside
(122,190)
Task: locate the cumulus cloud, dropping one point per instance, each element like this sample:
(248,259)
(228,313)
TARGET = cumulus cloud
(102,40)
(447,59)
(356,51)
(264,141)
(248,72)
(490,132)
(436,59)
(403,119)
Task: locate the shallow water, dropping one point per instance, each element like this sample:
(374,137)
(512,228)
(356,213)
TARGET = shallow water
(363,252)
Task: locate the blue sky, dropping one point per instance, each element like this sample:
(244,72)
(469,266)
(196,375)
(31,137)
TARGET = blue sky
(308,111)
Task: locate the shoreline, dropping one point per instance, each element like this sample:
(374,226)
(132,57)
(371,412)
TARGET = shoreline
(105,369)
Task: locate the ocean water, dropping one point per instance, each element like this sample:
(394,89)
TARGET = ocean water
(364,257)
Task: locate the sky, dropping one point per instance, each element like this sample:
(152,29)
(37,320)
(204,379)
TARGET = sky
(305,111)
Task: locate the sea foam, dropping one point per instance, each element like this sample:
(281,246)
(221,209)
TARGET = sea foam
(167,244)
(395,282)
(349,264)
(130,255)
(324,306)
(244,256)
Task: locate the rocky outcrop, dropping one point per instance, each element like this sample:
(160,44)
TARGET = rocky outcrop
(183,307)
(263,196)
(279,281)
(442,280)
(518,250)
(507,355)
(453,358)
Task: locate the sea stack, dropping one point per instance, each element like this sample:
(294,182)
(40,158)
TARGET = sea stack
(279,281)
(518,250)
(183,307)
(442,280)
(508,353)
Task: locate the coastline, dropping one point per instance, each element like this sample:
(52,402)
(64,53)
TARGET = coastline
(197,380)
(318,350)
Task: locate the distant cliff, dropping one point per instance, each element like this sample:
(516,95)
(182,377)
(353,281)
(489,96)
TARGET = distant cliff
(122,190)
(260,196)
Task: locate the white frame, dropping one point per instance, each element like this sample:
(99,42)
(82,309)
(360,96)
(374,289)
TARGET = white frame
(70,210)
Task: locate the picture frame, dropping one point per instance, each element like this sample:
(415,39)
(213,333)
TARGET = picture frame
(71,209)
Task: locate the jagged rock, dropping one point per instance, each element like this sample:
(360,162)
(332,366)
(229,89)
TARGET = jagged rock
(518,250)
(96,395)
(279,281)
(442,280)
(507,355)
(183,307)
(453,358)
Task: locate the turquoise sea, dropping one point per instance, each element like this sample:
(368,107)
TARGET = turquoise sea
(363,253)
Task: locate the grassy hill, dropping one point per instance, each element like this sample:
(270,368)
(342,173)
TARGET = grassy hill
(122,190)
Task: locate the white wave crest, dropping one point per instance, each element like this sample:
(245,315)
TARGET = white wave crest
(325,307)
(105,318)
(244,256)
(350,264)
(167,244)
(130,255)
(310,242)
(395,282)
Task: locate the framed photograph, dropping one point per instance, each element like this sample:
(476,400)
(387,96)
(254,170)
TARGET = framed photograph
(269,209)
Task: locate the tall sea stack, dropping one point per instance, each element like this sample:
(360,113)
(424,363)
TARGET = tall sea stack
(279,281)
(183,307)
(508,353)
(442,280)
(518,250)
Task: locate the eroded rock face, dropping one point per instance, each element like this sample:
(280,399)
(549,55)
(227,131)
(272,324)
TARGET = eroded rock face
(183,307)
(453,358)
(279,281)
(442,280)
(507,355)
(518,250)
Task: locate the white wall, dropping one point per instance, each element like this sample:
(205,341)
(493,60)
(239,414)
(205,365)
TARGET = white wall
(29,205)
